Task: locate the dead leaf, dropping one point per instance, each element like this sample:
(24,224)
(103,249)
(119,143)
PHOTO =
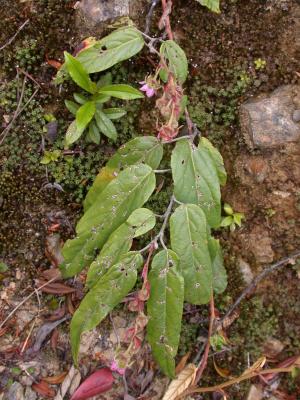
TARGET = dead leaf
(54,339)
(53,248)
(258,365)
(55,288)
(182,363)
(55,380)
(180,384)
(223,372)
(71,380)
(51,273)
(43,389)
(69,303)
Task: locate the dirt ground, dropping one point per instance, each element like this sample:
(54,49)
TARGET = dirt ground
(36,217)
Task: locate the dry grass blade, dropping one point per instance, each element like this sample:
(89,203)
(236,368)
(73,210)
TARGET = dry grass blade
(183,381)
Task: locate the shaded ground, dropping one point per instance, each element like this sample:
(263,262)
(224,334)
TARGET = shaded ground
(263,185)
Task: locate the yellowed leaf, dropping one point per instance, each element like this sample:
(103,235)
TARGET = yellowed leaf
(258,365)
(182,363)
(183,381)
(225,373)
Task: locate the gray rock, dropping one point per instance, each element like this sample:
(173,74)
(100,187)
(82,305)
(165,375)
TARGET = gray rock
(15,392)
(30,394)
(98,11)
(296,116)
(267,121)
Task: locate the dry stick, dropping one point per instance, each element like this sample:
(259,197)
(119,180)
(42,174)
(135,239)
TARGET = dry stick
(15,35)
(203,362)
(24,301)
(239,379)
(257,279)
(149,16)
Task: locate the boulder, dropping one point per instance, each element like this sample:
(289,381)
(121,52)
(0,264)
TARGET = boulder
(270,121)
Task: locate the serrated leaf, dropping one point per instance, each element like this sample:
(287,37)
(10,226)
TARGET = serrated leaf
(144,149)
(196,180)
(123,92)
(104,296)
(129,191)
(105,125)
(71,106)
(182,382)
(78,73)
(80,98)
(164,308)
(118,46)
(120,241)
(189,239)
(93,133)
(219,271)
(213,5)
(85,114)
(217,158)
(73,133)
(114,113)
(176,59)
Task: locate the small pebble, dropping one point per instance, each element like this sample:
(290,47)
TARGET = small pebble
(296,116)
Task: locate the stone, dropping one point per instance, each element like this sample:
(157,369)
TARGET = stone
(267,121)
(30,394)
(97,11)
(260,247)
(272,347)
(15,392)
(255,393)
(296,116)
(246,271)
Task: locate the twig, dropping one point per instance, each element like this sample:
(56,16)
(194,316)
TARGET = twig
(241,378)
(15,35)
(257,279)
(24,301)
(149,16)
(203,362)
(161,171)
(160,235)
(190,137)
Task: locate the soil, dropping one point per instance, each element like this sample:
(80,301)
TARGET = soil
(264,185)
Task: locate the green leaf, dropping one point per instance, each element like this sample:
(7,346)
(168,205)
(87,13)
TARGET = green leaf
(80,98)
(118,46)
(85,114)
(219,272)
(105,125)
(144,149)
(237,218)
(46,159)
(176,59)
(188,230)
(114,113)
(129,191)
(71,106)
(164,309)
(213,5)
(196,180)
(228,209)
(3,267)
(216,157)
(73,133)
(100,98)
(78,73)
(226,221)
(140,221)
(104,296)
(124,92)
(106,79)
(93,133)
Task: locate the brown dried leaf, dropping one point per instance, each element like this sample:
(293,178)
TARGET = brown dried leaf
(43,389)
(55,380)
(55,288)
(182,363)
(183,381)
(51,273)
(223,372)
(258,365)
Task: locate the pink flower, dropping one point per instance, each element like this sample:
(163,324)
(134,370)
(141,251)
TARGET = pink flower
(114,367)
(148,89)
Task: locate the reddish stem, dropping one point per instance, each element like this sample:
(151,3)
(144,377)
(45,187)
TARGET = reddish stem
(203,362)
(167,7)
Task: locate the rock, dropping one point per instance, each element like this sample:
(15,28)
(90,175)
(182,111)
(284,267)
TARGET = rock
(255,393)
(267,121)
(30,394)
(260,246)
(272,347)
(296,116)
(245,271)
(15,392)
